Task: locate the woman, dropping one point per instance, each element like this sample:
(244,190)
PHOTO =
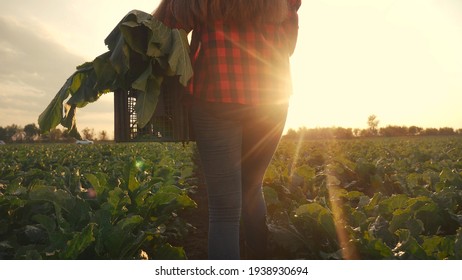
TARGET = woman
(241,86)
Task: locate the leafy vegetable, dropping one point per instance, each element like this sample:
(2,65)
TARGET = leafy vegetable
(118,201)
(141,52)
(359,198)
(64,202)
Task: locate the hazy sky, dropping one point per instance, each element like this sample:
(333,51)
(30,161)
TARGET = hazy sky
(398,59)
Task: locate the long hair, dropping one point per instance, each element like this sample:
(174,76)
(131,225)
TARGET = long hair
(244,12)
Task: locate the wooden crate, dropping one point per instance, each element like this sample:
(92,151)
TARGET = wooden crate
(170,122)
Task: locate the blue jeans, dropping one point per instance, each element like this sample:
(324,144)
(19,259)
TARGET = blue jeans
(236,143)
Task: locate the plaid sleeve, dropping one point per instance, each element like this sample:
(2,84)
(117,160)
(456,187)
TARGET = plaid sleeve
(290,25)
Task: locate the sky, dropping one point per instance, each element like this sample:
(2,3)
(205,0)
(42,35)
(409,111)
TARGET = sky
(397,59)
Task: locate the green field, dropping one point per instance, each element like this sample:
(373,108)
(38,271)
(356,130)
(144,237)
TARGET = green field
(381,198)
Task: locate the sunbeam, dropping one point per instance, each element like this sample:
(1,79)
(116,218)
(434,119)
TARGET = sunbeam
(349,250)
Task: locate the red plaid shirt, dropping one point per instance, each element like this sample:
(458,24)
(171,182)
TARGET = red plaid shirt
(247,65)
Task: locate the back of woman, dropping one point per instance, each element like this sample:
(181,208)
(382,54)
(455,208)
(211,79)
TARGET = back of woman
(240,48)
(241,86)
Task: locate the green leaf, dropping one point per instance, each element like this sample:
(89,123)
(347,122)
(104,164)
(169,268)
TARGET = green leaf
(34,234)
(334,181)
(429,214)
(137,44)
(318,213)
(134,32)
(148,95)
(122,240)
(439,247)
(84,90)
(287,237)
(415,226)
(160,41)
(379,229)
(140,195)
(162,198)
(79,242)
(52,115)
(271,196)
(95,183)
(431,244)
(357,218)
(48,223)
(178,60)
(127,224)
(185,201)
(16,189)
(364,168)
(392,203)
(59,197)
(132,246)
(375,248)
(408,247)
(131,170)
(353,195)
(374,202)
(117,199)
(168,252)
(69,116)
(399,220)
(458,245)
(119,58)
(107,79)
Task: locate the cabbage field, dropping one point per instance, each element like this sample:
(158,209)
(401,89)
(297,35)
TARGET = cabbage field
(377,198)
(115,201)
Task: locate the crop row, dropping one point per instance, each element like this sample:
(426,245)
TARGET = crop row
(93,202)
(397,198)
(367,199)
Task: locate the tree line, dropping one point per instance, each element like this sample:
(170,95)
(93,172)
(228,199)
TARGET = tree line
(372,130)
(31,133)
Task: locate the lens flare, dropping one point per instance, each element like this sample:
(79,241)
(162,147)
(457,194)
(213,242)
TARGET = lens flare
(139,164)
(349,250)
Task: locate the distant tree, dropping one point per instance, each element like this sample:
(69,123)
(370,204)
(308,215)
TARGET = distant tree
(414,130)
(103,135)
(393,131)
(322,133)
(3,134)
(11,130)
(343,133)
(19,136)
(366,133)
(348,133)
(319,133)
(65,133)
(373,123)
(55,134)
(430,131)
(446,131)
(88,133)
(291,134)
(31,131)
